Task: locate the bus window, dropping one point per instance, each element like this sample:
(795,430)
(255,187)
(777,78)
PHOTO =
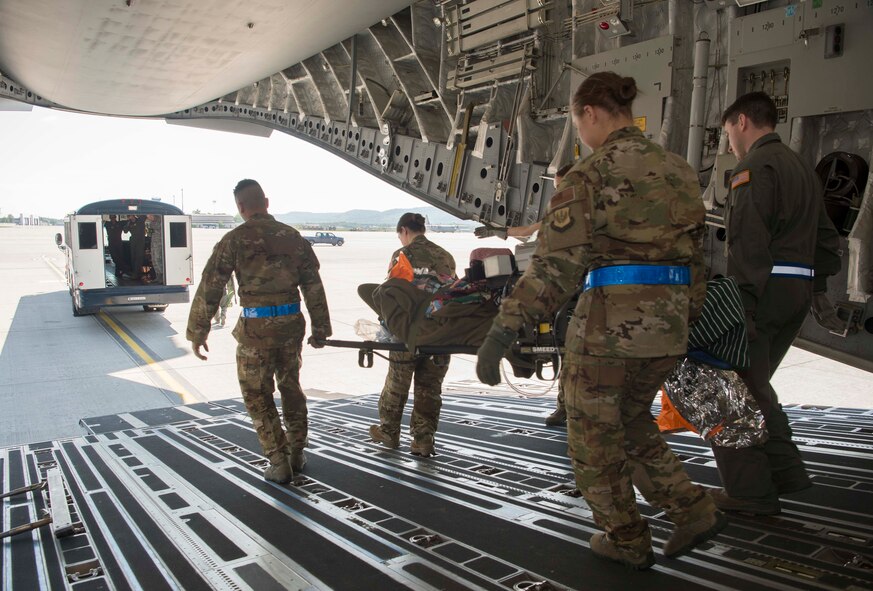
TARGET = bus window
(178,235)
(87,235)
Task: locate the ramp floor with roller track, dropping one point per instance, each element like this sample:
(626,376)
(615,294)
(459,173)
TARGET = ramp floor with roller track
(174,499)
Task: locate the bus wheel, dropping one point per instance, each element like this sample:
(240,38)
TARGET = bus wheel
(154,307)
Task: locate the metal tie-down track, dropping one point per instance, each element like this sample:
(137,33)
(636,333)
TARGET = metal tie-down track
(180,503)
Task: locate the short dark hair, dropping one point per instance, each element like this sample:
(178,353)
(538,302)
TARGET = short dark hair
(244,184)
(411,221)
(564,170)
(606,90)
(758,108)
(253,199)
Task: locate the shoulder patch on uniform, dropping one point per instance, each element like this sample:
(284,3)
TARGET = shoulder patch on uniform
(562,197)
(740,179)
(562,220)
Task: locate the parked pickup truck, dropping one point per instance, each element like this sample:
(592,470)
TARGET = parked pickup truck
(325,238)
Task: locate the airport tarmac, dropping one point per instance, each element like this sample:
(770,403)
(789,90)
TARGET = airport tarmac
(56,369)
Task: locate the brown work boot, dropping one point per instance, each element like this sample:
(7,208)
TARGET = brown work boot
(298,460)
(726,502)
(379,436)
(422,446)
(688,536)
(604,547)
(557,418)
(279,470)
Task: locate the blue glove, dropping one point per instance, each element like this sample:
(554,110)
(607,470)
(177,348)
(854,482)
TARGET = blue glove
(488,357)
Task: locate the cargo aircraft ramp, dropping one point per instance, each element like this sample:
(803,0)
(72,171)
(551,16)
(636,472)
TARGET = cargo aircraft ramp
(174,499)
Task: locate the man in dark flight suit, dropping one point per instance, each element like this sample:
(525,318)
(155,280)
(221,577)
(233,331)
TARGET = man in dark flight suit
(136,227)
(781,248)
(114,227)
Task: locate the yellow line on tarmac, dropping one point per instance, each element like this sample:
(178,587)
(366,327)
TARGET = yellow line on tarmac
(187,397)
(54,268)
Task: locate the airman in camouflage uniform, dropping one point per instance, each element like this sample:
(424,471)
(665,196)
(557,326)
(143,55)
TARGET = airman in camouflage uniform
(432,268)
(630,217)
(271,261)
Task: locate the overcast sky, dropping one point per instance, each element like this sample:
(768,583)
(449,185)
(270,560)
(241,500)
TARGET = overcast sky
(53,162)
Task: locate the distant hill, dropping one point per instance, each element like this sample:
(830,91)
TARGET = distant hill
(368,218)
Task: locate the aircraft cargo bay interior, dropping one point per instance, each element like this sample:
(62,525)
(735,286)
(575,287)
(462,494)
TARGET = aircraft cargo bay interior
(626,222)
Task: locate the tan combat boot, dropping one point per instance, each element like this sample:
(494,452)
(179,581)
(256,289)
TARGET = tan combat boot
(604,547)
(298,460)
(279,470)
(422,446)
(557,418)
(688,536)
(379,436)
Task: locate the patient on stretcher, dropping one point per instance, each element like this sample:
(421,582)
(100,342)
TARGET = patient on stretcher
(419,313)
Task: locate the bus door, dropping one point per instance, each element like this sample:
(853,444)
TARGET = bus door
(178,263)
(85,239)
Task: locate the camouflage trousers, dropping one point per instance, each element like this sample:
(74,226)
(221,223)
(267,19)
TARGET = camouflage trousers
(256,369)
(615,444)
(428,374)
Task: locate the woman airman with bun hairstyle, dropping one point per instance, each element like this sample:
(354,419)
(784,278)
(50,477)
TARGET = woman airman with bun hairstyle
(432,267)
(629,220)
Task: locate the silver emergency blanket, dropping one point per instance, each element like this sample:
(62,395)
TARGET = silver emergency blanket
(717,403)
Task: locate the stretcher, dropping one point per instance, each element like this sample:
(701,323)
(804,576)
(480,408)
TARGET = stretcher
(522,356)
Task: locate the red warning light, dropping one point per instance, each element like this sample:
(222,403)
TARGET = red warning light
(604,26)
(81,284)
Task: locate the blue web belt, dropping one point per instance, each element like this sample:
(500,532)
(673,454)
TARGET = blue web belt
(796,270)
(637,275)
(271,311)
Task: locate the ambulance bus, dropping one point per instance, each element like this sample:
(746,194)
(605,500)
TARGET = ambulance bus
(127,252)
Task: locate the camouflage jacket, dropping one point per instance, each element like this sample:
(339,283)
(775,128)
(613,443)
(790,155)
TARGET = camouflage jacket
(775,213)
(271,261)
(630,202)
(432,265)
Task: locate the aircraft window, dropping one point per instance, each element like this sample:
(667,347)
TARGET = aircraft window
(415,163)
(535,188)
(406,159)
(371,145)
(489,142)
(87,235)
(178,235)
(483,173)
(397,151)
(440,169)
(501,210)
